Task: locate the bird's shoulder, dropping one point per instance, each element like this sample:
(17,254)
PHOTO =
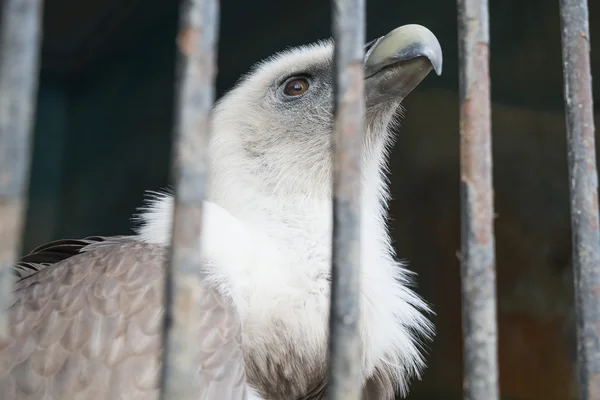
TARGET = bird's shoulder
(53,252)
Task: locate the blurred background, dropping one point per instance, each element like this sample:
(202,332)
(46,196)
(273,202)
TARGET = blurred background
(104,125)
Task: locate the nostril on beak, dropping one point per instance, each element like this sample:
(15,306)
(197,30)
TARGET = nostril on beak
(370,46)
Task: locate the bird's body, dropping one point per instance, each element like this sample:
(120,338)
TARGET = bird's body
(267,249)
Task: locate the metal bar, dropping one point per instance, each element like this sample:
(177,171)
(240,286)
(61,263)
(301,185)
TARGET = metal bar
(584,190)
(20,30)
(197,41)
(344,341)
(478,274)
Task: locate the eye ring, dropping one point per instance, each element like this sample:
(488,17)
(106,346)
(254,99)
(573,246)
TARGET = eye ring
(296,86)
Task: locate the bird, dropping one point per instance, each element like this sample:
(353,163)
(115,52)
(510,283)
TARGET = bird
(86,317)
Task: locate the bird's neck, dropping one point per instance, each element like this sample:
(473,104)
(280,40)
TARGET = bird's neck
(294,208)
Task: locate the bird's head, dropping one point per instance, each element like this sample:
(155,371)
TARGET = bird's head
(277,122)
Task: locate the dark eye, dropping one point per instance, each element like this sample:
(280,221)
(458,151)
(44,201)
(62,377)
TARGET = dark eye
(296,87)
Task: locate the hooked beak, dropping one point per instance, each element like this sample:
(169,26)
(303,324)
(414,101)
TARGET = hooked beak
(397,62)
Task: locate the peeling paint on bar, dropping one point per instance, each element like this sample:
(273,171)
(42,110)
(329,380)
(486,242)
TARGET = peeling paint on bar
(20,40)
(344,343)
(478,273)
(197,41)
(583,178)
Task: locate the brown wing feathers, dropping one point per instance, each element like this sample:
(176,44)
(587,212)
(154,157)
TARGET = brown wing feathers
(89,327)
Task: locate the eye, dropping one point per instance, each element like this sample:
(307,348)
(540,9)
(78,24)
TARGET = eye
(296,87)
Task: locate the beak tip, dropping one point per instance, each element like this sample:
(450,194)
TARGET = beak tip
(407,42)
(436,62)
(423,42)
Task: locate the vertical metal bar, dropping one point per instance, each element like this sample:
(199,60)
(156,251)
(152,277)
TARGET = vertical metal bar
(584,190)
(198,37)
(20,30)
(477,206)
(344,341)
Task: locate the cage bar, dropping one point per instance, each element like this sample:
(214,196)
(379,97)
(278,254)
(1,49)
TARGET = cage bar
(480,380)
(197,43)
(583,178)
(20,41)
(344,341)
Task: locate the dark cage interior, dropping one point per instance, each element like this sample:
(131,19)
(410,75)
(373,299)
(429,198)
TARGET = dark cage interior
(103,137)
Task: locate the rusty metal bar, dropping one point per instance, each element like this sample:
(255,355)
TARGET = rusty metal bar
(20,40)
(197,41)
(478,259)
(344,341)
(583,177)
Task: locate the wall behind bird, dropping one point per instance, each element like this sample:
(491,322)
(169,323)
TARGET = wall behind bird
(105,115)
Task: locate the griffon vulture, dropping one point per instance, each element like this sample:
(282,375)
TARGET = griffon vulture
(86,318)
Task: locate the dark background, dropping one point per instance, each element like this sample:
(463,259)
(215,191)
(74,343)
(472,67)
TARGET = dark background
(103,134)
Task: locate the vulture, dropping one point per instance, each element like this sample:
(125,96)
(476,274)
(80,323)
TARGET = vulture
(86,317)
